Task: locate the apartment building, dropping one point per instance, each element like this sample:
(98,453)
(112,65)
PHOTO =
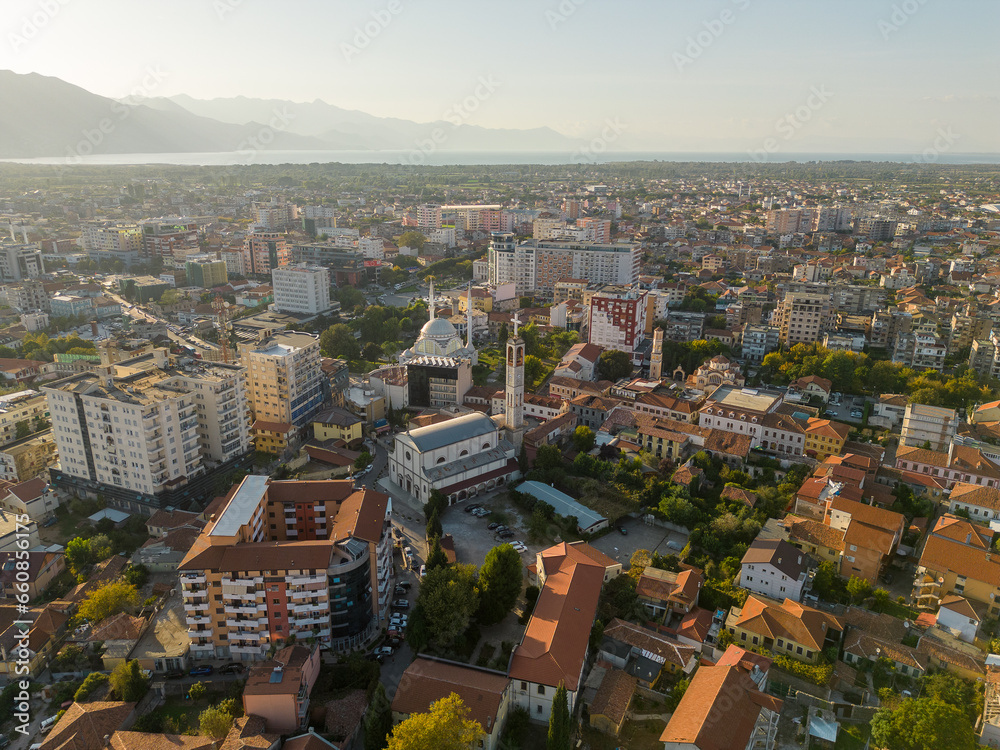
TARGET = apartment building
(345,264)
(108,240)
(958,559)
(921,351)
(758,341)
(302,289)
(24,406)
(285,379)
(802,317)
(474,218)
(174,238)
(288,559)
(206,271)
(537,265)
(929,424)
(740,410)
(275,215)
(596,230)
(618,320)
(27,295)
(264,251)
(429,217)
(146,434)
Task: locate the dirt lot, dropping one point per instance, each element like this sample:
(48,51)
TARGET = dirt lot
(473,540)
(639,536)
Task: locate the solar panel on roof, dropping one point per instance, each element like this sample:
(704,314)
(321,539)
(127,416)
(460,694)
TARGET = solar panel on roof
(276,675)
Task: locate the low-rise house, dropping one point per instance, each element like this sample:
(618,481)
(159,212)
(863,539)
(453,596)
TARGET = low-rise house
(789,628)
(337,424)
(485,692)
(27,458)
(871,536)
(33,498)
(663,592)
(981,503)
(812,386)
(41,569)
(739,495)
(959,617)
(580,362)
(958,559)
(723,709)
(959,464)
(271,437)
(611,703)
(278,690)
(645,654)
(123,740)
(774,568)
(89,726)
(119,634)
(870,636)
(825,437)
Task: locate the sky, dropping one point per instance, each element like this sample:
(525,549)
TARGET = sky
(875,76)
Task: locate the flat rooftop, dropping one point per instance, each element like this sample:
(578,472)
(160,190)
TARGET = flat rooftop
(752,399)
(238,509)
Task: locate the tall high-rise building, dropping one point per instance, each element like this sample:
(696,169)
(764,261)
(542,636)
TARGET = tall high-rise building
(265,251)
(276,215)
(206,271)
(429,217)
(535,266)
(802,317)
(145,434)
(301,289)
(170,238)
(285,560)
(596,230)
(107,240)
(285,379)
(618,320)
(19,261)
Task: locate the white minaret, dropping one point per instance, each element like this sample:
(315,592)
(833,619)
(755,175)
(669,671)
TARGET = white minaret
(515,387)
(656,356)
(430,300)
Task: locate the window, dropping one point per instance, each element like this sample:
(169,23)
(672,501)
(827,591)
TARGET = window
(799,650)
(538,709)
(541,689)
(524,685)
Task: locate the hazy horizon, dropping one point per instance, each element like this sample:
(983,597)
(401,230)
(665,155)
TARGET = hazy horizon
(773,76)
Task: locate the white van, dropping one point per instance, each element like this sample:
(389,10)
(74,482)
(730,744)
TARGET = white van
(48,723)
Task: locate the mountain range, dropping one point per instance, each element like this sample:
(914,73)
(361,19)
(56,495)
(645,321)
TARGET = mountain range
(45,116)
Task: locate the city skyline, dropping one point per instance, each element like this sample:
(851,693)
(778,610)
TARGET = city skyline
(768,77)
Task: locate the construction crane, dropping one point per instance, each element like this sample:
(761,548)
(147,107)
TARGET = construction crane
(219,306)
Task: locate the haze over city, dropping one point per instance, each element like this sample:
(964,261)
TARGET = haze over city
(706,76)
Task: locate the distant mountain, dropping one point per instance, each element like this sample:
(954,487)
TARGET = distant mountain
(45,116)
(351,129)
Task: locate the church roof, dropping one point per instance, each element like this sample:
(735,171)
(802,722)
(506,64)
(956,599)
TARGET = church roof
(446,433)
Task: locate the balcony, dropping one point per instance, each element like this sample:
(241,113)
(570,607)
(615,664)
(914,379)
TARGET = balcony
(252,610)
(199,620)
(246,622)
(194,634)
(187,578)
(254,637)
(200,607)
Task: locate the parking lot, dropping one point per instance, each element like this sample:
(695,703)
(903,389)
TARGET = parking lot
(842,411)
(639,536)
(472,538)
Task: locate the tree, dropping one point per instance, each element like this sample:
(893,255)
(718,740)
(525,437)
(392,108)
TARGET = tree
(372,351)
(78,555)
(412,239)
(22,429)
(503,335)
(548,457)
(137,575)
(109,599)
(881,599)
(378,720)
(447,601)
(560,723)
(90,683)
(349,297)
(583,439)
(362,460)
(922,724)
(436,558)
(128,682)
(215,722)
(499,583)
(101,547)
(614,365)
(533,368)
(859,588)
(197,691)
(338,341)
(445,726)
(170,297)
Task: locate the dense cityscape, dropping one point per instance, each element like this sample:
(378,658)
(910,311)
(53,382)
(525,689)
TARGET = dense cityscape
(642,455)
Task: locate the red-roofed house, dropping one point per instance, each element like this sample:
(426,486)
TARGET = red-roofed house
(554,646)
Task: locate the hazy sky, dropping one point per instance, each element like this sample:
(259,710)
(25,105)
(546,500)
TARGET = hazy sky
(789,75)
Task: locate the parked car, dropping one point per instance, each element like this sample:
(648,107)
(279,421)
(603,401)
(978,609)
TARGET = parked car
(202,671)
(492,526)
(506,535)
(405,585)
(383,651)
(423,570)
(470,508)
(519,546)
(623,530)
(374,657)
(399,590)
(501,528)
(401,604)
(232,668)
(175,674)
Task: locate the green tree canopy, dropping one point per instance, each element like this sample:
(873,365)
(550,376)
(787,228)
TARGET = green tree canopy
(215,722)
(412,239)
(499,583)
(338,341)
(922,724)
(445,726)
(583,439)
(447,602)
(560,722)
(378,720)
(128,682)
(614,365)
(108,600)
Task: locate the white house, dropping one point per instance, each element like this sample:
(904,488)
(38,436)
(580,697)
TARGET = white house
(957,614)
(774,568)
(580,362)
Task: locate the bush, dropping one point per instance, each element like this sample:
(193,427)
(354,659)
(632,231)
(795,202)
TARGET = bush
(817,674)
(92,682)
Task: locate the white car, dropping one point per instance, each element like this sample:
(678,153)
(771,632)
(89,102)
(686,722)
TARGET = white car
(519,546)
